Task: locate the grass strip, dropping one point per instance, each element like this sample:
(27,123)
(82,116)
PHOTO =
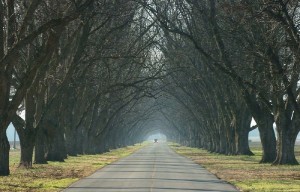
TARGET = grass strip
(56,176)
(245,172)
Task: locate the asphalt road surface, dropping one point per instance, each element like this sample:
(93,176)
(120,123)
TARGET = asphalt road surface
(155,168)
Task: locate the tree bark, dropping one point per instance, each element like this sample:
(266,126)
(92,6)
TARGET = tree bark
(222,148)
(268,139)
(4,144)
(56,146)
(4,157)
(27,139)
(71,140)
(40,141)
(29,133)
(27,146)
(242,133)
(286,148)
(242,142)
(286,136)
(80,141)
(40,146)
(264,120)
(1,30)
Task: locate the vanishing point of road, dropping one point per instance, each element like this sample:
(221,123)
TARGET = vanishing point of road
(155,168)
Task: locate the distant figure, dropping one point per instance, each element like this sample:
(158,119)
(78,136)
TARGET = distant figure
(155,141)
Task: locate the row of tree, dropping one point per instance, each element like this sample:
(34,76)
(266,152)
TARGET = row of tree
(239,59)
(95,75)
(75,69)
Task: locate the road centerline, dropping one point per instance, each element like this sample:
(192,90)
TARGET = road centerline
(155,168)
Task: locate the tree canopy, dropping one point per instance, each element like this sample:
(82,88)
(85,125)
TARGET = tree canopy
(93,75)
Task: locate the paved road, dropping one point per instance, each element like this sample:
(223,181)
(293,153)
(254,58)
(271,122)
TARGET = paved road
(155,168)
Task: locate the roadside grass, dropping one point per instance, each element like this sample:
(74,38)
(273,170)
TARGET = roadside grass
(55,176)
(245,172)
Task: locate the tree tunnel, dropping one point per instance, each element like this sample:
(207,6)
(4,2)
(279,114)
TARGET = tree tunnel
(97,75)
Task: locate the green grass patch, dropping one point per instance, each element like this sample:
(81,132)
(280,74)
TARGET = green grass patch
(245,172)
(56,176)
(268,185)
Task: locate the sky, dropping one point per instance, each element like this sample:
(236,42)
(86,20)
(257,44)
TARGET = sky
(10,133)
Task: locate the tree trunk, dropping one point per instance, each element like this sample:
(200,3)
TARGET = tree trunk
(264,120)
(285,148)
(27,141)
(242,134)
(242,143)
(286,137)
(230,135)
(268,139)
(1,29)
(27,146)
(4,122)
(114,140)
(89,143)
(102,144)
(27,133)
(56,147)
(222,149)
(71,142)
(85,141)
(80,135)
(90,147)
(40,146)
(4,157)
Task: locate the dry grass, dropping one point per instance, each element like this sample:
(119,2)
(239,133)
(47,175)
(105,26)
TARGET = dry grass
(245,172)
(56,176)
